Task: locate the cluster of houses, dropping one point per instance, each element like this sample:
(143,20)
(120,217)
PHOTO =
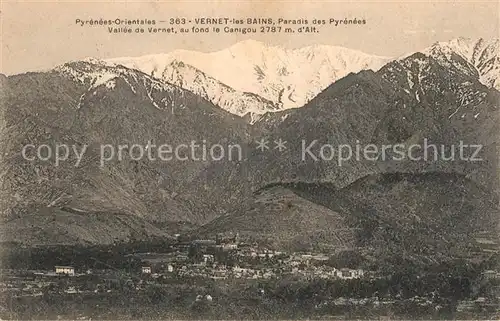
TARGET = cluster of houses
(287,264)
(250,261)
(208,269)
(196,258)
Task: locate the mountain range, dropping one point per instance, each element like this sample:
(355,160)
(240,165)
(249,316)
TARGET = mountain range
(287,78)
(445,94)
(253,78)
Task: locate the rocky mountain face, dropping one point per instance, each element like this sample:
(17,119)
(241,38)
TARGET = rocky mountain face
(253,78)
(476,57)
(413,101)
(287,78)
(285,198)
(90,104)
(221,95)
(407,102)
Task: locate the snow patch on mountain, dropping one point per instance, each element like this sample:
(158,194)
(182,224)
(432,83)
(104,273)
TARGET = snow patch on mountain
(96,73)
(475,57)
(93,72)
(233,101)
(440,79)
(250,78)
(288,78)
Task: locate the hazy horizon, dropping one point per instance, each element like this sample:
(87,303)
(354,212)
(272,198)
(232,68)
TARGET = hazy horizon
(40,36)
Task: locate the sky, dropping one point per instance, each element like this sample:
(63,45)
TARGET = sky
(40,35)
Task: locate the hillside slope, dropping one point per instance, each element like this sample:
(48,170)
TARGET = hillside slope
(422,218)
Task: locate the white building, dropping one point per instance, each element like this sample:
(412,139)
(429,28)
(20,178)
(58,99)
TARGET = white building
(146,269)
(348,274)
(208,258)
(68,270)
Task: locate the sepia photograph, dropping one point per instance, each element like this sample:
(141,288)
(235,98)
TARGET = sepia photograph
(249,160)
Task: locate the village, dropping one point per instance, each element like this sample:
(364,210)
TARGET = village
(221,258)
(230,258)
(227,257)
(201,266)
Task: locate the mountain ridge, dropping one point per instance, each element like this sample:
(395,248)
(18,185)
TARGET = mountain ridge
(273,80)
(97,103)
(287,77)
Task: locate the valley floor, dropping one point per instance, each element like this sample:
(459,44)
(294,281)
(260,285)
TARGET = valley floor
(87,297)
(217,280)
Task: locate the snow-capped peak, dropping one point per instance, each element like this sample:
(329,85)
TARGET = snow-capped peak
(95,73)
(482,57)
(288,78)
(194,80)
(474,50)
(253,78)
(90,71)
